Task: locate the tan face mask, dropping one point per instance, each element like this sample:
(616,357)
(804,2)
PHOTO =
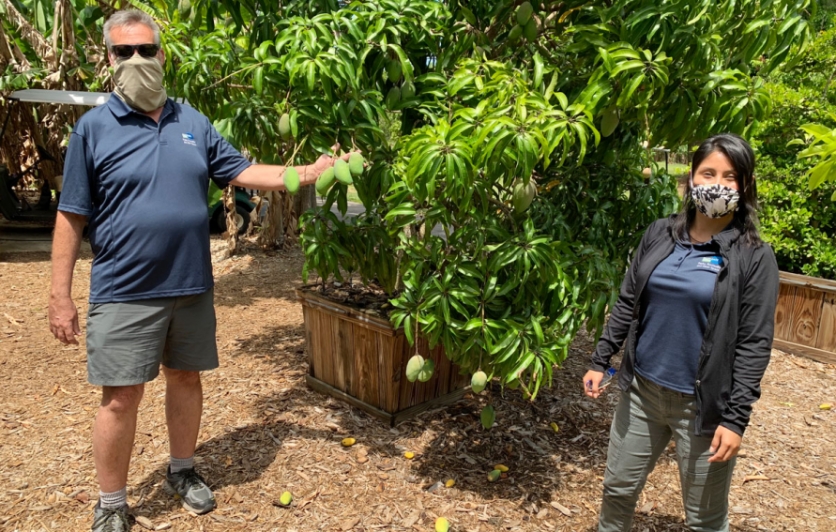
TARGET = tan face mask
(139,82)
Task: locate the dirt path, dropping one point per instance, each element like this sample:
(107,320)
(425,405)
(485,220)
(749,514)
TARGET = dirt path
(264,432)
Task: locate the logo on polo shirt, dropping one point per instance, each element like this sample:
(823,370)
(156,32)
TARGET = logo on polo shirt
(711,263)
(188,138)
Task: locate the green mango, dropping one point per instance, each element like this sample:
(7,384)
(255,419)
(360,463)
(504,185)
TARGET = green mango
(284,127)
(414,367)
(515,33)
(427,370)
(530,30)
(185,9)
(523,195)
(407,90)
(355,164)
(494,475)
(393,97)
(478,382)
(291,180)
(394,69)
(609,121)
(488,417)
(342,172)
(523,13)
(325,180)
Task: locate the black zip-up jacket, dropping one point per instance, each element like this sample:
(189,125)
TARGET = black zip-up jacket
(738,337)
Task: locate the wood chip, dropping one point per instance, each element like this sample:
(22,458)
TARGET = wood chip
(144,522)
(562,509)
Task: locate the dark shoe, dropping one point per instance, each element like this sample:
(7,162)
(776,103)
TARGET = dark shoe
(111,519)
(191,489)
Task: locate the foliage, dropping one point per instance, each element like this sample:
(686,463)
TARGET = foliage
(501,290)
(797,219)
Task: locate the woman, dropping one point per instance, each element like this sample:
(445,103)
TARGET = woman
(696,309)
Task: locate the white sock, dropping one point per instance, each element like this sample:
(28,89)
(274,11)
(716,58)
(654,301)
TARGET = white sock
(117,499)
(179,464)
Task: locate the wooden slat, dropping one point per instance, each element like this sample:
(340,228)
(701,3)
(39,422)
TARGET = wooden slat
(826,339)
(339,379)
(390,353)
(326,345)
(442,373)
(783,311)
(323,387)
(806,314)
(366,371)
(804,281)
(802,350)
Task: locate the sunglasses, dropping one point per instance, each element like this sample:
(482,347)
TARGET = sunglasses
(126,51)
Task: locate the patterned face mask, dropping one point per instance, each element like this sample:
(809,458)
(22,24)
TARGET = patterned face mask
(715,201)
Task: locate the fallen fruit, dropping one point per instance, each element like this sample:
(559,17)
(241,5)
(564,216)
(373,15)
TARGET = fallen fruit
(427,370)
(342,172)
(450,483)
(494,475)
(285,499)
(325,180)
(825,406)
(413,367)
(442,525)
(524,13)
(554,426)
(355,164)
(348,442)
(488,417)
(478,381)
(501,467)
(284,127)
(523,195)
(409,455)
(291,180)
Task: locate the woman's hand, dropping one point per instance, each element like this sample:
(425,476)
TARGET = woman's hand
(725,445)
(591,381)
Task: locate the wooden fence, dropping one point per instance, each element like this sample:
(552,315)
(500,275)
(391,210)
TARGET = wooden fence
(805,318)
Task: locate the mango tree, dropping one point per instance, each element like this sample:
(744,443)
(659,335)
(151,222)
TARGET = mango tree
(505,139)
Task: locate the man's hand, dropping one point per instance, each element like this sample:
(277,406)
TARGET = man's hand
(725,445)
(323,163)
(63,319)
(591,382)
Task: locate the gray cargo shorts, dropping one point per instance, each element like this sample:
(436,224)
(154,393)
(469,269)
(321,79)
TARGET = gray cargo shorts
(126,342)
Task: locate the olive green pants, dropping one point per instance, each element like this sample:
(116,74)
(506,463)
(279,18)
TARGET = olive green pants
(646,419)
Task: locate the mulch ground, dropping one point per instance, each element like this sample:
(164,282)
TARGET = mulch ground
(265,432)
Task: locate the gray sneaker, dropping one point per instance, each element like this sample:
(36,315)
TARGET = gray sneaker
(111,519)
(191,489)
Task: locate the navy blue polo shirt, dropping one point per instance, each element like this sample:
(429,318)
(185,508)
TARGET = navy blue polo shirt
(674,314)
(143,186)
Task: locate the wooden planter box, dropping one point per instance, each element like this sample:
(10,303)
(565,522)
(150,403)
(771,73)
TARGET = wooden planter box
(360,358)
(805,318)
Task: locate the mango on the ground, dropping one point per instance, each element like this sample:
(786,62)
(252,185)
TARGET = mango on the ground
(286,499)
(450,483)
(409,455)
(348,442)
(501,468)
(825,406)
(494,475)
(442,525)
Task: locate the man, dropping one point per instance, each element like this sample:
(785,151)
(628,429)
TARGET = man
(137,171)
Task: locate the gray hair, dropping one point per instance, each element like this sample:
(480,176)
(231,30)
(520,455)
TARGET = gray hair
(130,17)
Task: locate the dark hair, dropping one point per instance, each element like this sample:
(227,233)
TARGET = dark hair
(742,158)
